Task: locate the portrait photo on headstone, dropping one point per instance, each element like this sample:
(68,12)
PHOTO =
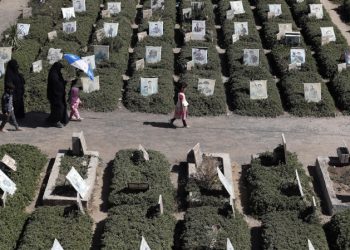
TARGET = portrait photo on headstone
(237,7)
(312,92)
(251,57)
(54,55)
(101,53)
(5,54)
(68,13)
(275,9)
(157,4)
(69,27)
(148,86)
(79,5)
(90,85)
(316,10)
(258,89)
(22,30)
(90,60)
(155,29)
(37,66)
(200,55)
(153,54)
(206,86)
(241,28)
(114,7)
(328,32)
(198,30)
(297,56)
(111,29)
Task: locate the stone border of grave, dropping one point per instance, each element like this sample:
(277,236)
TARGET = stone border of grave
(333,204)
(49,199)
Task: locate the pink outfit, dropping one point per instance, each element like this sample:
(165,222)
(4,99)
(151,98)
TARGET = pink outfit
(181,108)
(74,103)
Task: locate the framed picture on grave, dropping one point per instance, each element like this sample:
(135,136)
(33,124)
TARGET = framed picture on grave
(37,66)
(198,30)
(2,69)
(206,86)
(114,7)
(187,13)
(79,5)
(241,28)
(54,55)
(90,60)
(200,55)
(197,5)
(297,56)
(22,30)
(153,54)
(157,4)
(275,9)
(328,33)
(312,92)
(237,7)
(68,13)
(251,57)
(111,29)
(155,28)
(316,10)
(69,27)
(258,89)
(148,86)
(101,53)
(5,54)
(292,38)
(90,85)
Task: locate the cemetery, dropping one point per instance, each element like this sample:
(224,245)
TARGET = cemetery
(262,59)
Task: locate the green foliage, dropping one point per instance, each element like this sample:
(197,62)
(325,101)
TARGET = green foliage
(30,162)
(199,232)
(290,230)
(346,10)
(338,231)
(67,225)
(340,89)
(24,55)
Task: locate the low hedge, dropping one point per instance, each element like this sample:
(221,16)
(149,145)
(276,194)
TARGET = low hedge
(290,230)
(272,184)
(199,223)
(346,10)
(72,229)
(340,89)
(338,231)
(30,162)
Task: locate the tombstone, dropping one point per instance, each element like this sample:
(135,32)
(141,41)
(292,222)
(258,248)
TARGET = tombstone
(69,27)
(237,7)
(27,13)
(153,54)
(327,35)
(56,245)
(77,182)
(275,10)
(52,35)
(90,85)
(198,30)
(192,170)
(22,30)
(283,28)
(68,13)
(157,4)
(144,245)
(251,57)
(230,14)
(310,246)
(229,245)
(79,6)
(54,55)
(188,36)
(297,56)
(187,13)
(79,144)
(140,64)
(200,55)
(341,67)
(316,10)
(225,182)
(299,183)
(343,154)
(105,13)
(189,65)
(312,92)
(9,162)
(111,29)
(314,204)
(235,38)
(114,7)
(148,86)
(284,143)
(155,29)
(90,60)
(258,89)
(100,35)
(37,66)
(101,53)
(195,155)
(144,153)
(206,86)
(2,69)
(5,54)
(6,184)
(160,203)
(241,28)
(141,36)
(147,14)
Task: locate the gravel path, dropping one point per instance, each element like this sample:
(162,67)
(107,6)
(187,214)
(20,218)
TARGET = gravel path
(9,11)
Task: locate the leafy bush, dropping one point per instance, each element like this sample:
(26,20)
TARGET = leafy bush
(340,90)
(338,231)
(30,162)
(290,230)
(72,229)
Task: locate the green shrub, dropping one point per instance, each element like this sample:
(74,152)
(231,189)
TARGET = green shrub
(340,89)
(338,231)
(346,10)
(67,225)
(26,54)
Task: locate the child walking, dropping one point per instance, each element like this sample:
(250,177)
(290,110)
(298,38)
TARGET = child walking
(7,108)
(74,103)
(181,108)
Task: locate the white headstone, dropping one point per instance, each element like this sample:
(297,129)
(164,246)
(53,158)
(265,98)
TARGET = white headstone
(235,38)
(200,55)
(341,67)
(6,184)
(228,186)
(56,245)
(198,30)
(54,55)
(241,28)
(5,54)
(141,35)
(144,152)
(69,27)
(251,57)
(68,13)
(237,7)
(229,245)
(144,245)
(148,86)
(90,60)
(111,29)
(189,65)
(22,30)
(312,92)
(105,14)
(311,247)
(316,10)
(197,154)
(9,162)
(230,14)
(90,85)
(153,54)
(52,35)
(160,202)
(114,7)
(206,86)
(327,33)
(146,14)
(2,69)
(275,9)
(258,89)
(299,183)
(155,28)
(140,64)
(284,143)
(79,5)
(77,182)
(37,66)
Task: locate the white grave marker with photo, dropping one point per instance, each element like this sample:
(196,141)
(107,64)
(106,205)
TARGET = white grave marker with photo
(229,245)
(54,55)
(155,28)
(2,69)
(56,245)
(101,53)
(198,30)
(200,55)
(6,184)
(111,29)
(52,35)
(157,4)
(79,5)
(328,34)
(144,245)
(22,30)
(69,27)
(251,57)
(9,162)
(297,56)
(153,54)
(283,28)
(114,7)
(341,67)
(77,182)
(68,13)
(237,7)
(230,14)
(275,9)
(105,13)
(90,60)
(312,92)
(146,14)
(140,64)
(149,86)
(37,66)
(90,85)
(258,89)
(5,54)
(316,10)
(235,38)
(241,28)
(206,86)
(141,36)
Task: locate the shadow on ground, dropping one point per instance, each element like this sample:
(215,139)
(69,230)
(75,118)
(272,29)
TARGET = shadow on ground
(160,124)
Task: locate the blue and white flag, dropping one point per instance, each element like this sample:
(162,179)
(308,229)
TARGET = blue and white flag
(79,63)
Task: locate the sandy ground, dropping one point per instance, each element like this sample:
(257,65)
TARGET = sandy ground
(9,11)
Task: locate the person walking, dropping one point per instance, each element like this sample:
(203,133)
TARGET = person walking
(12,76)
(181,108)
(7,108)
(74,101)
(56,94)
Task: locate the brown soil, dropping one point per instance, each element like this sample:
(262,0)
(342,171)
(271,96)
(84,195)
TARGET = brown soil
(341,179)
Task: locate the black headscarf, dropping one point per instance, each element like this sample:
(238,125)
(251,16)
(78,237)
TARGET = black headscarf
(56,84)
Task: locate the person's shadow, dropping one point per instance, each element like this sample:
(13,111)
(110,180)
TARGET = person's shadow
(34,120)
(160,124)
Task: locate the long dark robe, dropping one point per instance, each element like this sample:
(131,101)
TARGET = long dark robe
(13,76)
(56,94)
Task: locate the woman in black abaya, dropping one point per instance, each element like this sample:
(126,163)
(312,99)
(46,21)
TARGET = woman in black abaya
(56,94)
(12,76)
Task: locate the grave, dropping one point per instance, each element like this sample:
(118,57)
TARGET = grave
(58,190)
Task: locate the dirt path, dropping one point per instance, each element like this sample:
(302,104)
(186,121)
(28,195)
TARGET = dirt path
(9,11)
(332,11)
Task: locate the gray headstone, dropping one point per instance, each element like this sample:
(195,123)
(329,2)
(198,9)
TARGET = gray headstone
(299,183)
(79,144)
(9,162)
(284,143)
(195,155)
(144,152)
